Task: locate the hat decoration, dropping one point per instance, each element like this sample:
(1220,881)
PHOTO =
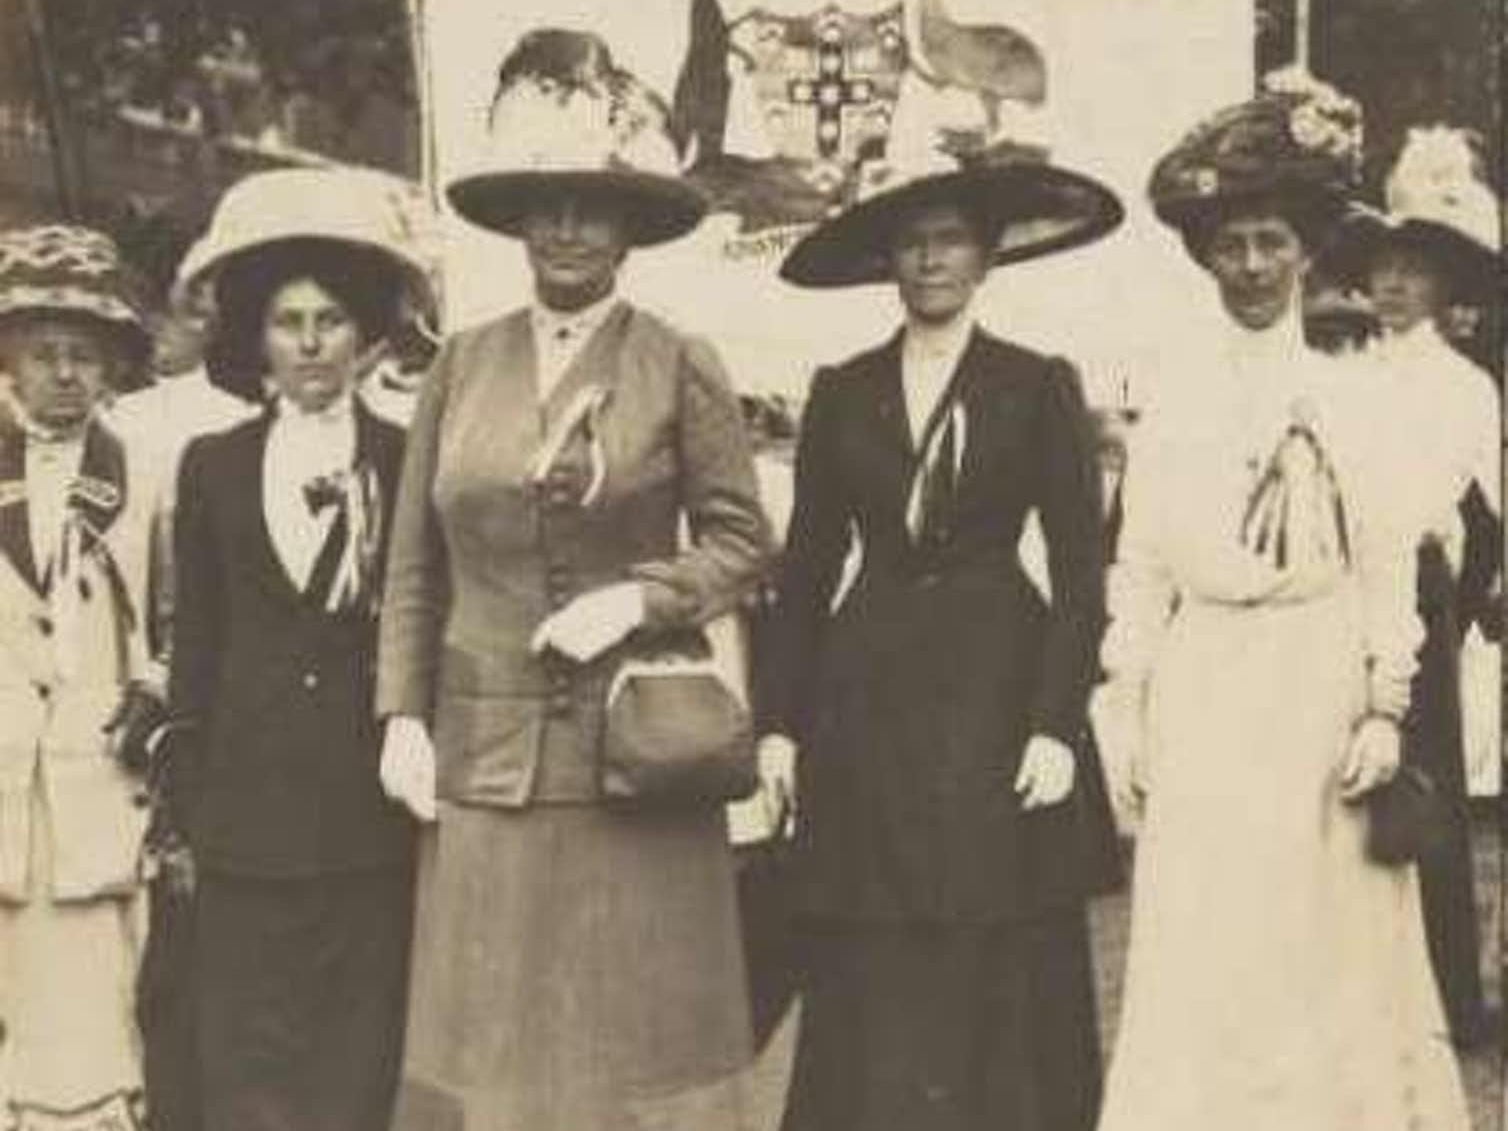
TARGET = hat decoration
(1435,197)
(1002,175)
(67,269)
(1298,138)
(566,116)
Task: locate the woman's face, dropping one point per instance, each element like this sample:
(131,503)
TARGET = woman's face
(1259,261)
(179,338)
(1405,288)
(311,344)
(575,245)
(939,261)
(60,369)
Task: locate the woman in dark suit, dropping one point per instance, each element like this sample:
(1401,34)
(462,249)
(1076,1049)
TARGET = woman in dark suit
(938,711)
(577,967)
(303,866)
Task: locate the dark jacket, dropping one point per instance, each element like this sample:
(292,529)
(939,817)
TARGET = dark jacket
(278,775)
(914,700)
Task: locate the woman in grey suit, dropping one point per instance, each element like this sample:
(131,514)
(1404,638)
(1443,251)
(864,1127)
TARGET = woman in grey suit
(576,967)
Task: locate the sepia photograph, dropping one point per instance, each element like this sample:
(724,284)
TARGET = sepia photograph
(752,565)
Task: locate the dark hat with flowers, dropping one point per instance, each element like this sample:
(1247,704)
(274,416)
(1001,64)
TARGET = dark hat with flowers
(1296,145)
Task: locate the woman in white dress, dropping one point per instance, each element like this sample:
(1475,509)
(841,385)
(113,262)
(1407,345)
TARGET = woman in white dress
(1434,248)
(1259,657)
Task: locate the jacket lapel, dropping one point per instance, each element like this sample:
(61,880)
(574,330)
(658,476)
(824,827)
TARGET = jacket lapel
(262,554)
(15,520)
(99,492)
(592,365)
(890,400)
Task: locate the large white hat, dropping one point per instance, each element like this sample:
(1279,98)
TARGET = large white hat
(566,117)
(1435,198)
(359,208)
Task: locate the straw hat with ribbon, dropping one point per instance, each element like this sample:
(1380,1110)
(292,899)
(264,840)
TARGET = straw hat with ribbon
(1435,200)
(367,216)
(1035,207)
(1296,146)
(565,117)
(68,270)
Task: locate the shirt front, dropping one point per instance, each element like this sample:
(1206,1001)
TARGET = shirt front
(559,336)
(1447,411)
(929,356)
(302,447)
(51,465)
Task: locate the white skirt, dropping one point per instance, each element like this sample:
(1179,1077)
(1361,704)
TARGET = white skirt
(71,1055)
(1276,978)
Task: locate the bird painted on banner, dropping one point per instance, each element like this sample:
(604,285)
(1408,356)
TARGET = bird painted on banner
(996,62)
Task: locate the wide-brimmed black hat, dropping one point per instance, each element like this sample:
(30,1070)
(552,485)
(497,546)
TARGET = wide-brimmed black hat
(1437,201)
(565,118)
(72,271)
(1295,146)
(1035,207)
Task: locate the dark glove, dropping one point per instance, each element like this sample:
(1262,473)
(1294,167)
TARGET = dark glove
(140,712)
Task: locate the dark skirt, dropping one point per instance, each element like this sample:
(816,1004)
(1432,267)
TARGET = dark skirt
(300,986)
(576,969)
(1433,741)
(946,1027)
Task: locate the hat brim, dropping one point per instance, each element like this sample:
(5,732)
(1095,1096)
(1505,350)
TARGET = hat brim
(113,314)
(1365,231)
(658,208)
(1040,209)
(234,257)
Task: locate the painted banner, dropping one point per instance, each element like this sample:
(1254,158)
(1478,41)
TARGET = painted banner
(781,106)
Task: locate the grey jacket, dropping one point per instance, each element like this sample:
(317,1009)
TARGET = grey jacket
(482,553)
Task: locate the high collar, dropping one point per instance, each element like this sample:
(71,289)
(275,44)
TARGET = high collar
(338,413)
(1254,351)
(934,340)
(1422,338)
(579,323)
(41,435)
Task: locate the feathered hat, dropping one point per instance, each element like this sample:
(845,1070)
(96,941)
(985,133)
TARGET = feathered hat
(565,116)
(1436,200)
(1297,145)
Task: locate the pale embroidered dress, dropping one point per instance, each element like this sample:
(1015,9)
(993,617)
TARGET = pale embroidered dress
(71,921)
(1276,979)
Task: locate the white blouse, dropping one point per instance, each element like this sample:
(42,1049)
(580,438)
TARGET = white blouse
(1192,466)
(1443,415)
(51,465)
(301,447)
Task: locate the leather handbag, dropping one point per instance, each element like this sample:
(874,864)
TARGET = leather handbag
(1407,818)
(677,729)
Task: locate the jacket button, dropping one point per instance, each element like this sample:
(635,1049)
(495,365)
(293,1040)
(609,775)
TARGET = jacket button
(44,690)
(44,625)
(311,681)
(560,705)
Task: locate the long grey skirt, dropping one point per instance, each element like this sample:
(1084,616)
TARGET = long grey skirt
(575,969)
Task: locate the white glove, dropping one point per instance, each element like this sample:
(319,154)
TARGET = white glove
(592,623)
(1373,757)
(1115,713)
(777,777)
(1046,774)
(407,769)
